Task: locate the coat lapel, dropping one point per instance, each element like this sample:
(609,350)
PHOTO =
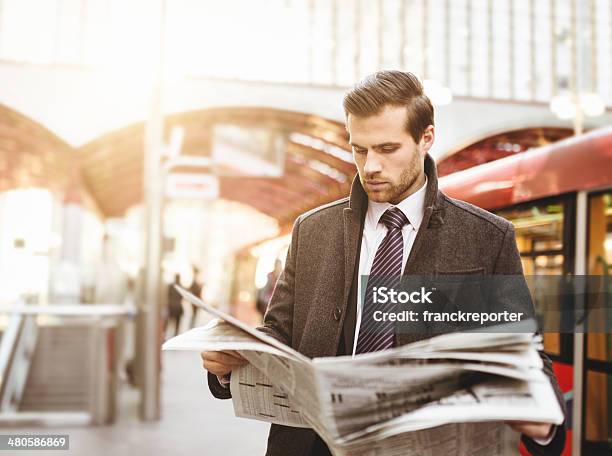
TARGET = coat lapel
(433,219)
(352,225)
(353,218)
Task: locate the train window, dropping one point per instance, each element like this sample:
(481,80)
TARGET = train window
(540,230)
(598,410)
(539,235)
(600,264)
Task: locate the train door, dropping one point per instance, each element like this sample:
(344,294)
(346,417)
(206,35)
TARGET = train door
(545,238)
(544,235)
(597,373)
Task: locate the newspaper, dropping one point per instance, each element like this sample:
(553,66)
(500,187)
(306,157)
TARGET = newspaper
(447,394)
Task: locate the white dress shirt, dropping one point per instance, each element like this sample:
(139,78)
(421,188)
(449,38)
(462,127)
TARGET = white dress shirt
(374,232)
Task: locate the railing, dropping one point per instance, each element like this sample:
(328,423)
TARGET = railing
(88,332)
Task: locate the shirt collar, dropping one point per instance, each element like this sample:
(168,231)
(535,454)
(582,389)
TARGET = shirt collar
(412,206)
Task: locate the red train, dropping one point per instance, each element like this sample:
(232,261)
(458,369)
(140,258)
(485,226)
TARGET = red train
(559,198)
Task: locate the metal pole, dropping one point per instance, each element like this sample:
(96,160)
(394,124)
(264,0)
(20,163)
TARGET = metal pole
(150,398)
(579,269)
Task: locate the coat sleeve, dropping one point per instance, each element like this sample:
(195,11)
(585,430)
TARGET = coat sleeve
(278,319)
(509,263)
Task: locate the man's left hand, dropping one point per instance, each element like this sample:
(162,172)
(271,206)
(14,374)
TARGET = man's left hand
(532,429)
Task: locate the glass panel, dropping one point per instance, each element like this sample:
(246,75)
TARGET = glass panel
(600,263)
(302,41)
(479,34)
(552,343)
(501,50)
(600,346)
(539,228)
(390,23)
(367,33)
(598,426)
(543,45)
(414,47)
(603,22)
(346,42)
(563,43)
(521,48)
(436,41)
(458,52)
(322,42)
(27,36)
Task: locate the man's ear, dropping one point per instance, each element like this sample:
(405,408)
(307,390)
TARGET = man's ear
(427,139)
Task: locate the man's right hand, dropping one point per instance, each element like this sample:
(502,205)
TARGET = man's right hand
(221,363)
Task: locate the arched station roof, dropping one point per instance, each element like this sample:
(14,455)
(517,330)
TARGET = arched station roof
(31,156)
(318,164)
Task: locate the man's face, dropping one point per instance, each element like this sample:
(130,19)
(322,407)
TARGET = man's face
(390,163)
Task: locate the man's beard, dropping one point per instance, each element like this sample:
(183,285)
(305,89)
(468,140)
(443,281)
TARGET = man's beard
(397,192)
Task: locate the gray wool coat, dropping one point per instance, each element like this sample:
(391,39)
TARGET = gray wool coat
(313,307)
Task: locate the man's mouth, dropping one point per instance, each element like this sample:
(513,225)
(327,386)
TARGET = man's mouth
(375,184)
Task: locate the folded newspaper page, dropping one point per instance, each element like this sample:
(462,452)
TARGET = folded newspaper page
(449,393)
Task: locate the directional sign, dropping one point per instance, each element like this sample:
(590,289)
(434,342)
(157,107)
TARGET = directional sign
(192,186)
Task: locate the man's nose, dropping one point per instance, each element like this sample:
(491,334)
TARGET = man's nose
(373,164)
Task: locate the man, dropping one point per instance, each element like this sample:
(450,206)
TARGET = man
(395,221)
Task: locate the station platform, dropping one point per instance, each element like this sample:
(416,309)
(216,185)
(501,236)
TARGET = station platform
(193,421)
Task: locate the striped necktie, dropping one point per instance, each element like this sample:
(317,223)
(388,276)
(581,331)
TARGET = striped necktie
(386,271)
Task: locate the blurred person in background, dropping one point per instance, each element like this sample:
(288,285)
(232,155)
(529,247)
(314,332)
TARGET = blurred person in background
(265,293)
(175,305)
(196,290)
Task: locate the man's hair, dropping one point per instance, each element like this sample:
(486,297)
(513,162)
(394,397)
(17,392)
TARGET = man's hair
(391,88)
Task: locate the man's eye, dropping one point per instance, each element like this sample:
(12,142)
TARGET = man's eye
(360,151)
(389,149)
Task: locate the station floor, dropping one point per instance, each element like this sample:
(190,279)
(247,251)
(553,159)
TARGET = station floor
(192,423)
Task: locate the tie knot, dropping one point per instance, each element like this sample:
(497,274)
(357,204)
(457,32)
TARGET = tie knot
(394,218)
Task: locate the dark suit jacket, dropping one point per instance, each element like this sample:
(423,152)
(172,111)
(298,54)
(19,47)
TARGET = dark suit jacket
(314,303)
